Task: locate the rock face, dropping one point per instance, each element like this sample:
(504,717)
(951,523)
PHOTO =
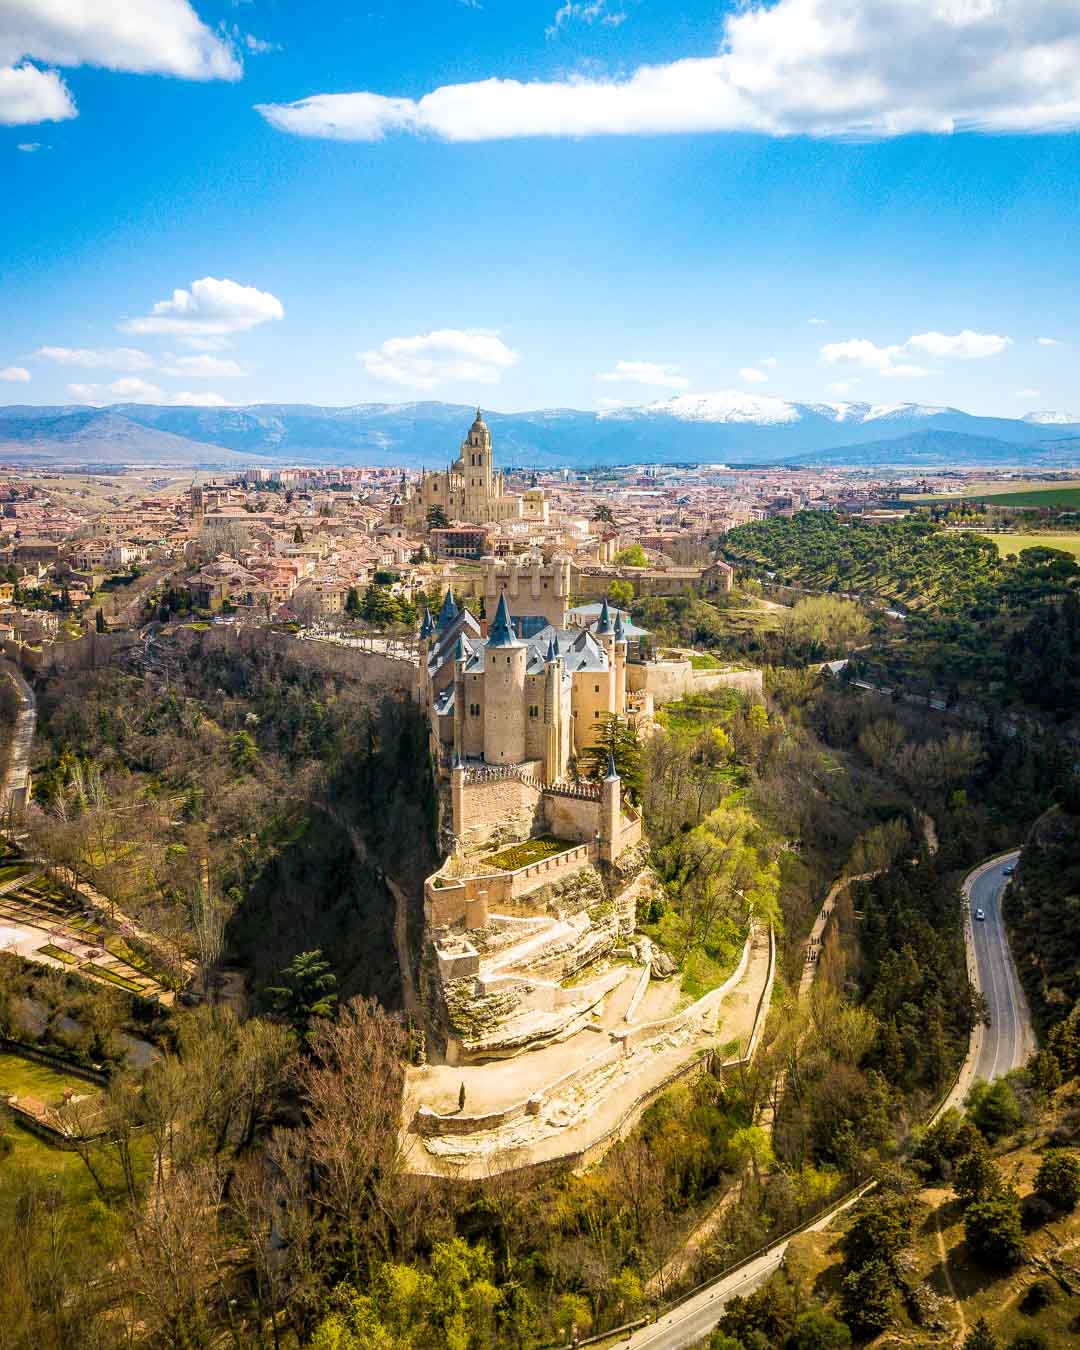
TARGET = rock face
(661,965)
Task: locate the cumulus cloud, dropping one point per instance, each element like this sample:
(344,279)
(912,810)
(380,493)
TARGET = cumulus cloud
(29,95)
(1048,342)
(134,390)
(447,354)
(15,374)
(966,346)
(145,37)
(868,68)
(128,390)
(112,358)
(211,308)
(751,375)
(894,361)
(660,374)
(204,367)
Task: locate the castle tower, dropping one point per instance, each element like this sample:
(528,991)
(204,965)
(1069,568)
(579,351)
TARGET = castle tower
(610,813)
(620,665)
(505,658)
(554,765)
(605,635)
(477,462)
(198,509)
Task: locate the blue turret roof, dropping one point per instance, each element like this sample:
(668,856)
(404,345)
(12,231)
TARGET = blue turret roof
(502,630)
(612,772)
(428,626)
(620,631)
(449,611)
(604,627)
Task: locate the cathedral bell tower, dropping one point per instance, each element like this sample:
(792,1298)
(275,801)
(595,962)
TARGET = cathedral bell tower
(476,461)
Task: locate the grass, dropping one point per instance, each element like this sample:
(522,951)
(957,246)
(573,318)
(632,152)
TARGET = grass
(9,871)
(531,851)
(110,977)
(1008,545)
(705,661)
(1068,497)
(25,1078)
(58,954)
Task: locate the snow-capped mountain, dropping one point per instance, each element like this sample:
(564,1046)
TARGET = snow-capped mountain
(728,426)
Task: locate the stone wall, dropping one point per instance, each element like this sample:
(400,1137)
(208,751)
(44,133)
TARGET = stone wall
(593,584)
(90,652)
(572,817)
(667,681)
(328,658)
(504,808)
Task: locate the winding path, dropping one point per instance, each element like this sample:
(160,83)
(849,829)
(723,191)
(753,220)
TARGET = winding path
(17,777)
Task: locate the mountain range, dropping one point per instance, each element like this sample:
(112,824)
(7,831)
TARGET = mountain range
(730,428)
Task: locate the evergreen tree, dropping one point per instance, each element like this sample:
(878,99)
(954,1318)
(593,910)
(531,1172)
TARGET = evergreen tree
(308,991)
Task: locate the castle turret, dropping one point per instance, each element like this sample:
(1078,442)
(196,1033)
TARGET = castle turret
(620,664)
(505,658)
(448,613)
(610,812)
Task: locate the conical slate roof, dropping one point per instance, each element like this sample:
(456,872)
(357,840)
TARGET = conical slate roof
(604,627)
(428,626)
(502,630)
(449,611)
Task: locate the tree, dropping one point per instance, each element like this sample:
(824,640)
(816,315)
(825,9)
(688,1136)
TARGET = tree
(632,556)
(868,1298)
(980,1337)
(880,1232)
(621,593)
(993,1232)
(307,993)
(603,515)
(436,518)
(994,1109)
(99,622)
(352,603)
(615,738)
(298,535)
(816,1330)
(1058,1179)
(976,1177)
(243,752)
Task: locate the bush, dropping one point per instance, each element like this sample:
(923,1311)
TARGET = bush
(993,1232)
(1029,1340)
(980,1337)
(994,1109)
(1058,1179)
(976,1176)
(816,1330)
(868,1299)
(1037,1297)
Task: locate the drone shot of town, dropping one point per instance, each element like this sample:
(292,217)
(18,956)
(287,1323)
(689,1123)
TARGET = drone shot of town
(540,675)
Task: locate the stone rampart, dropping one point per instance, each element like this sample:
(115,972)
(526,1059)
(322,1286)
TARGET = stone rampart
(328,658)
(92,651)
(667,681)
(508,807)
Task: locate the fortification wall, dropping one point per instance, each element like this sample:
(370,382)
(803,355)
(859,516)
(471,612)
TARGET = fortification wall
(327,658)
(502,808)
(89,652)
(593,585)
(667,681)
(572,817)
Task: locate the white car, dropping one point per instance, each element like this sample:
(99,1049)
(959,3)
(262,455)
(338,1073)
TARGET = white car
(1008,871)
(980,913)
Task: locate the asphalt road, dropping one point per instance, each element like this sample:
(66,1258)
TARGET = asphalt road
(1009,1040)
(1005,1044)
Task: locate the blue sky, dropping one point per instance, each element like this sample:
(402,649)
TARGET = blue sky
(632,201)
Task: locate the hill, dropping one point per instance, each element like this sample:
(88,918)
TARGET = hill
(726,428)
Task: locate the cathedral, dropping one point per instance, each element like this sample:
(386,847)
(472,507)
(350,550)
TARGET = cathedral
(472,490)
(495,698)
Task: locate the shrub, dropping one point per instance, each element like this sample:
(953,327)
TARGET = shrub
(816,1330)
(980,1337)
(1058,1179)
(868,1299)
(1038,1296)
(993,1232)
(994,1109)
(976,1176)
(1029,1340)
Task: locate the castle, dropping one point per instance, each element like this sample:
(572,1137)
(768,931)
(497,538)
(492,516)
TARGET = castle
(500,698)
(472,489)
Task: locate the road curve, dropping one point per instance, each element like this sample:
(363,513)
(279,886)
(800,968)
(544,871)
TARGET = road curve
(994,1050)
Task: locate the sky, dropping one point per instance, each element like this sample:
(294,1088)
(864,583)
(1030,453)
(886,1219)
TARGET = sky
(523,205)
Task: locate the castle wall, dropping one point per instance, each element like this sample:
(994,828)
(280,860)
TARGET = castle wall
(572,817)
(505,806)
(670,680)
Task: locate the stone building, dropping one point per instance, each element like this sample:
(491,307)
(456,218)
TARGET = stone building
(472,489)
(536,701)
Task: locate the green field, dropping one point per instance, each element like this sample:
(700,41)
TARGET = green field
(1064,496)
(1010,544)
(25,1078)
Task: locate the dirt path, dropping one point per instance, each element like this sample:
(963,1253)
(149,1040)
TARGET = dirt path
(948,1276)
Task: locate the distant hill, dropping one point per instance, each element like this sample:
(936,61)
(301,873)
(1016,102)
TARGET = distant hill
(729,428)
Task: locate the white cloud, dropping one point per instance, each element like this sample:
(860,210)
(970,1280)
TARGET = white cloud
(751,375)
(894,361)
(868,68)
(1048,342)
(29,147)
(200,400)
(817,323)
(586,12)
(841,387)
(133,390)
(15,374)
(128,390)
(29,95)
(967,346)
(204,367)
(660,374)
(427,360)
(145,37)
(212,308)
(612,404)
(1029,393)
(113,358)
(769,362)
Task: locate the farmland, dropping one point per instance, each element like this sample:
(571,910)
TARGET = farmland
(1009,545)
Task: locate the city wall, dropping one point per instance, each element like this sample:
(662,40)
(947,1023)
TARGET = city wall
(667,681)
(593,583)
(90,652)
(327,658)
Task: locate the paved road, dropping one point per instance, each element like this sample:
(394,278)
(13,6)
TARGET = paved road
(18,770)
(1009,1039)
(1005,1044)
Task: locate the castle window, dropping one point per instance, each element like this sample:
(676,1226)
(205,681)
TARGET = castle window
(474,709)
(596,688)
(534,710)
